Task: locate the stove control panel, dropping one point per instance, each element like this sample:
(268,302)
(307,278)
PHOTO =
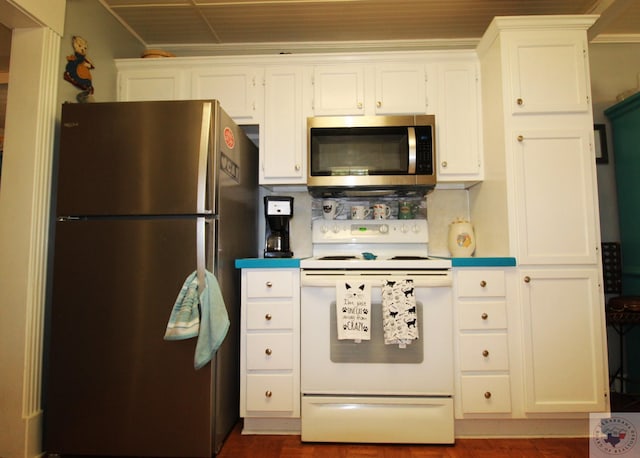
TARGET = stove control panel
(373,231)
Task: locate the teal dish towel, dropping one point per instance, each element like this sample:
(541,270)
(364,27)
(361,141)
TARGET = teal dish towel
(203,315)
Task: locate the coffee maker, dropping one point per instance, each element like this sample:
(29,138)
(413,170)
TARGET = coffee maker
(278,211)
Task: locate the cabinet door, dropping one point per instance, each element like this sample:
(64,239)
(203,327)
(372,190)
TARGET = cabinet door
(338,90)
(237,89)
(563,338)
(458,120)
(283,153)
(401,89)
(555,197)
(549,74)
(154,84)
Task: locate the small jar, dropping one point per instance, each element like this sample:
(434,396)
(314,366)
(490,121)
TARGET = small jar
(462,240)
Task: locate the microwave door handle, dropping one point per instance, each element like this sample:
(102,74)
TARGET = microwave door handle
(411,131)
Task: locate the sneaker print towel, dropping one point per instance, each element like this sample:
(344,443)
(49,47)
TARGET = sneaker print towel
(353,309)
(399,316)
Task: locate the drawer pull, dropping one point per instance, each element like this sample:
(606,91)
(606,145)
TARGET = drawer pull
(485,353)
(487,394)
(484,316)
(268,317)
(268,394)
(269,284)
(268,352)
(483,283)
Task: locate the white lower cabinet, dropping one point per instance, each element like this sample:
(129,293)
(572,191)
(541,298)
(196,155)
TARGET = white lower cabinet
(270,345)
(482,363)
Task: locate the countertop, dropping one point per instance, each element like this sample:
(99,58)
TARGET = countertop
(267,263)
(275,263)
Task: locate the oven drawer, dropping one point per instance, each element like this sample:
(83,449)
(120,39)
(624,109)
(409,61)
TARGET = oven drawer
(482,315)
(270,351)
(486,394)
(269,393)
(481,283)
(270,283)
(269,315)
(418,420)
(484,352)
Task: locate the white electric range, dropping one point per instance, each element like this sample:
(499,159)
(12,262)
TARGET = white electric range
(368,390)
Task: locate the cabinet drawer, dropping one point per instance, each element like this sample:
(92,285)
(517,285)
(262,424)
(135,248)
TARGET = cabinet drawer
(272,393)
(482,315)
(486,394)
(481,283)
(269,315)
(484,352)
(270,351)
(269,283)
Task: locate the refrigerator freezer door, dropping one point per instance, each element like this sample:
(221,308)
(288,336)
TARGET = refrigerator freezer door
(114,386)
(135,158)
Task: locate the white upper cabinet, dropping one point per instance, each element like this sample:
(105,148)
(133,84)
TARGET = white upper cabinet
(459,152)
(282,146)
(400,89)
(156,84)
(338,90)
(238,88)
(348,89)
(548,74)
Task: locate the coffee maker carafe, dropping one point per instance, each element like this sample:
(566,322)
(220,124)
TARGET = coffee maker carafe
(278,211)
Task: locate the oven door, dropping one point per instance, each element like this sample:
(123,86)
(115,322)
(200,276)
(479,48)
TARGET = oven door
(341,367)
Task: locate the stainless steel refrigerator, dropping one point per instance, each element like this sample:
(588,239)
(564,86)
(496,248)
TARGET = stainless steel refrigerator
(147,192)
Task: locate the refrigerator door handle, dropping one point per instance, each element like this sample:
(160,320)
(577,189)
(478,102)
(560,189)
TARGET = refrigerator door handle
(200,252)
(203,158)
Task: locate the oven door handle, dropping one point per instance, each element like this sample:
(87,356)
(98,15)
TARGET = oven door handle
(424,279)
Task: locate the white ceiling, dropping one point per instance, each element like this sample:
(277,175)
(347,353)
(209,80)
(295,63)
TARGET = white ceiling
(193,26)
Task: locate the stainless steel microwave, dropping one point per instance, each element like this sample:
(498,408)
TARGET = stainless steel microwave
(356,155)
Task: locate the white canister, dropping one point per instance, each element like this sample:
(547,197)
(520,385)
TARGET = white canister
(462,240)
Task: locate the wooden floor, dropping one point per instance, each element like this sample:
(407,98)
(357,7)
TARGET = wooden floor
(238,446)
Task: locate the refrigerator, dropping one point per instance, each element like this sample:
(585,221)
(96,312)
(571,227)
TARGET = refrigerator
(146,194)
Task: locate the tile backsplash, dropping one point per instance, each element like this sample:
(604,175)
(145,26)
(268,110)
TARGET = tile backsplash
(440,207)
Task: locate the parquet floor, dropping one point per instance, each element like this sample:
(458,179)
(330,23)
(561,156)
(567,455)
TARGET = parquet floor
(238,446)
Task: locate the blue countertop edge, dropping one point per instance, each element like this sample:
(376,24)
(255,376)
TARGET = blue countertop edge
(273,263)
(483,262)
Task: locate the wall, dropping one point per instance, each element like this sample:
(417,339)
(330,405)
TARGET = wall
(615,68)
(107,39)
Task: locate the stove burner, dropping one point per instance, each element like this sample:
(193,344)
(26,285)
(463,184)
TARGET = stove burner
(336,258)
(407,258)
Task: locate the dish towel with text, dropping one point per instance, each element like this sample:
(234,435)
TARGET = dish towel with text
(399,316)
(353,309)
(199,314)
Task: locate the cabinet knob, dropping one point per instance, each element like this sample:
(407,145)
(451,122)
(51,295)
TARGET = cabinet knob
(268,352)
(444,164)
(520,138)
(269,284)
(268,317)
(484,316)
(483,283)
(519,101)
(268,394)
(485,353)
(378,103)
(487,394)
(297,167)
(527,279)
(359,105)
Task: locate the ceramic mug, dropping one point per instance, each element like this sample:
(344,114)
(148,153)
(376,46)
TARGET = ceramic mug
(381,211)
(406,210)
(331,209)
(360,211)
